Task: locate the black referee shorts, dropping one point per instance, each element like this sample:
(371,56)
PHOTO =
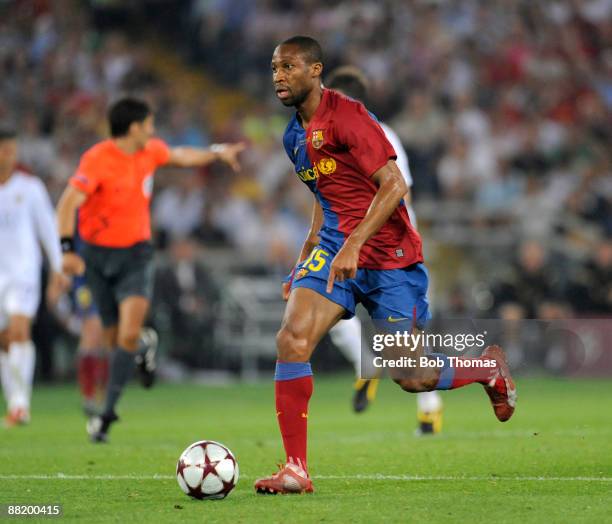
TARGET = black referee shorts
(113,274)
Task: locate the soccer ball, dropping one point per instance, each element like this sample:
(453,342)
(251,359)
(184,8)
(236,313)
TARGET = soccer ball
(207,470)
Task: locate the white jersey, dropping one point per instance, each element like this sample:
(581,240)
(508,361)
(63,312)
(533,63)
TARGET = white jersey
(402,164)
(402,157)
(27,221)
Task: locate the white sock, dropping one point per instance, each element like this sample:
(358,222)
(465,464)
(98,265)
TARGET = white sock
(429,401)
(22,359)
(6,377)
(346,334)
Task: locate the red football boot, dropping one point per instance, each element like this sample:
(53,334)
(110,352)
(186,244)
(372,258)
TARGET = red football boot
(17,417)
(500,388)
(290,479)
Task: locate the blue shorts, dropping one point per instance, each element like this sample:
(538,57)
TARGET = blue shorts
(391,295)
(82,298)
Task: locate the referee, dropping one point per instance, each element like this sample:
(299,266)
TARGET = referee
(111,190)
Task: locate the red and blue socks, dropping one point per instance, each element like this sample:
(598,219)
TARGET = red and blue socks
(92,372)
(456,377)
(86,371)
(293,389)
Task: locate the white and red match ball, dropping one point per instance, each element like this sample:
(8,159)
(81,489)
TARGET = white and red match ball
(207,470)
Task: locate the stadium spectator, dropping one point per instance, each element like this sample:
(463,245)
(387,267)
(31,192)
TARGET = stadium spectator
(179,208)
(532,281)
(186,294)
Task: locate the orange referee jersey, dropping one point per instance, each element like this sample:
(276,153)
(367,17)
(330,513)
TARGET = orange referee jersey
(118,186)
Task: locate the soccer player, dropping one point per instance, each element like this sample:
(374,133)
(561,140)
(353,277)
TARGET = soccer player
(362,249)
(346,334)
(111,190)
(27,221)
(92,355)
(92,358)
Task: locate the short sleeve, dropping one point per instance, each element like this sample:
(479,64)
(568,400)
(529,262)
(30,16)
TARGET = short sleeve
(159,151)
(87,176)
(365,140)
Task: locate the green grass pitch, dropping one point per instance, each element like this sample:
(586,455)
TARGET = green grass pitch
(551,463)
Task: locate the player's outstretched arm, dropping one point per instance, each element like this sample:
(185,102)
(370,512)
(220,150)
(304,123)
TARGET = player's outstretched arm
(312,240)
(195,156)
(391,189)
(70,201)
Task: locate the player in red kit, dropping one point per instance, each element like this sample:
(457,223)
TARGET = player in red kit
(361,248)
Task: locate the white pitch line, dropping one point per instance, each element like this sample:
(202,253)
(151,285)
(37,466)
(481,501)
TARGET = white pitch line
(62,476)
(454,478)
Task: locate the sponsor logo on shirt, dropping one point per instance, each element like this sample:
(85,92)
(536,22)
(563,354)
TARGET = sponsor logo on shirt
(317,138)
(308,175)
(326,166)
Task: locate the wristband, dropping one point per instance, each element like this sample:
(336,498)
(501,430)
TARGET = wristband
(67,244)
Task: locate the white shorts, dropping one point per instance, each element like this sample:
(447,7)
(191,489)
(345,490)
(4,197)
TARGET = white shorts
(18,298)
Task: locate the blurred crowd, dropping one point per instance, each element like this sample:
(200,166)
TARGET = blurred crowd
(502,105)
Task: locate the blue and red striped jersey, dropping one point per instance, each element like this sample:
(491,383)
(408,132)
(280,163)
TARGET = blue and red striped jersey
(335,157)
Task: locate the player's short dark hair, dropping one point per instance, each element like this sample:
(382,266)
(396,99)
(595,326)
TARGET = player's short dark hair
(350,80)
(124,112)
(7,133)
(310,48)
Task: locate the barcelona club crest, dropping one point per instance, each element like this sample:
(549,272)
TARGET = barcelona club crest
(317,138)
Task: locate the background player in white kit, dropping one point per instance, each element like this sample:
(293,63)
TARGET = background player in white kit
(27,221)
(346,334)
